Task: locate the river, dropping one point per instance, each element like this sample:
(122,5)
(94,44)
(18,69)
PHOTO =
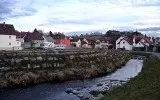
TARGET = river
(74,90)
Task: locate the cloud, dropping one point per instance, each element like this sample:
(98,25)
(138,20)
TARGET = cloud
(146,3)
(12,9)
(5,8)
(150,29)
(79,15)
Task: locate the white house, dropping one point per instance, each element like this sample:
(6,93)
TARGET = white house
(8,39)
(104,43)
(128,43)
(124,43)
(33,40)
(86,43)
(75,42)
(142,41)
(117,42)
(48,42)
(20,37)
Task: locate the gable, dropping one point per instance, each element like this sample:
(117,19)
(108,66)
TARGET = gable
(124,42)
(119,39)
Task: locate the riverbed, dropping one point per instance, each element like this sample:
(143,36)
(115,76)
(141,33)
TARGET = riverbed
(75,90)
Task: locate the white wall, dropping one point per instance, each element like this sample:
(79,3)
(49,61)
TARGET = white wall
(124,44)
(139,44)
(37,43)
(117,41)
(78,43)
(48,45)
(9,42)
(86,46)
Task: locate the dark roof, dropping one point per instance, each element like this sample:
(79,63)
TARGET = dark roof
(137,39)
(128,39)
(7,29)
(33,36)
(148,40)
(74,39)
(21,34)
(48,38)
(58,36)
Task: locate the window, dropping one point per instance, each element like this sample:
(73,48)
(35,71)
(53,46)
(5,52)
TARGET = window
(9,43)
(123,42)
(9,37)
(17,42)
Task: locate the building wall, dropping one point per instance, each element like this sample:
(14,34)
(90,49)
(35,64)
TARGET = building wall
(139,44)
(124,44)
(102,45)
(117,41)
(77,44)
(64,41)
(37,43)
(9,42)
(48,45)
(86,46)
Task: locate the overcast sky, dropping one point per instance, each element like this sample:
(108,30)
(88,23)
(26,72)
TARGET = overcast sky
(81,15)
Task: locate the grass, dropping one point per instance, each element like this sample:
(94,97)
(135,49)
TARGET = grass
(146,86)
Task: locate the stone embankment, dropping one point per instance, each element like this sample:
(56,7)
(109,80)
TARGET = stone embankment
(22,69)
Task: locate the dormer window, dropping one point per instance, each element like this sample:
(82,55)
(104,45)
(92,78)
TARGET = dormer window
(123,42)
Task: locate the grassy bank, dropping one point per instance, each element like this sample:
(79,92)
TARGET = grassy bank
(58,68)
(146,86)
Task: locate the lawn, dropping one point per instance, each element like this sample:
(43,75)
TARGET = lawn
(146,86)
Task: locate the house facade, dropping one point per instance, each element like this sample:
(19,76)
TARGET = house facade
(48,42)
(105,42)
(33,39)
(60,40)
(8,40)
(75,42)
(20,37)
(125,43)
(136,42)
(86,43)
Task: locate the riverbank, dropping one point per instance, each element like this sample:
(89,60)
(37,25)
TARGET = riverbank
(38,68)
(146,86)
(75,89)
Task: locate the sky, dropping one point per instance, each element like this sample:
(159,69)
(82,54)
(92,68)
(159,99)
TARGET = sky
(82,15)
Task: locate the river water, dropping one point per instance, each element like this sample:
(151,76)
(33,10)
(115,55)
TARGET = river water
(74,90)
